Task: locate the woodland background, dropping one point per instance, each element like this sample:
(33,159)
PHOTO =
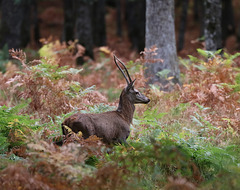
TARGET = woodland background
(187,138)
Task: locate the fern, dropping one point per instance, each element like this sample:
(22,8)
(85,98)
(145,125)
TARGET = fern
(99,108)
(53,72)
(14,127)
(235,87)
(209,54)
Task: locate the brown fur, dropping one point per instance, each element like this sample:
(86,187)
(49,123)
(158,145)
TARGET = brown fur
(111,127)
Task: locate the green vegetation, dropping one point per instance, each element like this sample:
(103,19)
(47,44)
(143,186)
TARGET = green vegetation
(185,139)
(14,129)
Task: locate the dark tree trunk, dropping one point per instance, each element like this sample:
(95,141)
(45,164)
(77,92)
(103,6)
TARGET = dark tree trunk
(212,29)
(26,23)
(196,10)
(160,32)
(131,22)
(228,26)
(84,27)
(119,18)
(142,24)
(201,16)
(35,21)
(238,36)
(135,15)
(69,15)
(183,24)
(98,20)
(15,25)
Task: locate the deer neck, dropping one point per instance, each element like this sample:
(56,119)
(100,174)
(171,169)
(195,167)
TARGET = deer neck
(126,109)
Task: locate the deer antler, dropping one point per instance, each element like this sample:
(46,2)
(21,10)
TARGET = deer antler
(129,80)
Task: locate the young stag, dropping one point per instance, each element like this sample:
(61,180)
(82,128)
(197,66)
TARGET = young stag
(113,126)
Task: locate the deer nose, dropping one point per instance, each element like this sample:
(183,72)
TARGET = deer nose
(147,100)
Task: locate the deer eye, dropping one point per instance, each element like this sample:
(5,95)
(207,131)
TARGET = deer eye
(137,93)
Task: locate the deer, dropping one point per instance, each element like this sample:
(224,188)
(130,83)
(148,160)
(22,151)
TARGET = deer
(112,127)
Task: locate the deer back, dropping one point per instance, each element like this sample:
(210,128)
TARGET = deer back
(109,126)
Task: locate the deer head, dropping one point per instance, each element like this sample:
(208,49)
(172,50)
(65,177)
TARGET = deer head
(132,94)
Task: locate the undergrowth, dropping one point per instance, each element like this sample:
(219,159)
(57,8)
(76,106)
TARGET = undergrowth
(184,139)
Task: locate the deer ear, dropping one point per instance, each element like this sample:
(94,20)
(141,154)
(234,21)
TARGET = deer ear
(131,85)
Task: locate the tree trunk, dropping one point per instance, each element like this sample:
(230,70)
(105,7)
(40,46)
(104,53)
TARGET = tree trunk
(68,27)
(183,23)
(84,27)
(35,21)
(228,25)
(238,37)
(136,23)
(212,29)
(160,32)
(98,20)
(196,10)
(142,25)
(15,26)
(119,18)
(201,17)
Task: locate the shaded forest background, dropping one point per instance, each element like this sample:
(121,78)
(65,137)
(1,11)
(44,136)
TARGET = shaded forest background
(125,34)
